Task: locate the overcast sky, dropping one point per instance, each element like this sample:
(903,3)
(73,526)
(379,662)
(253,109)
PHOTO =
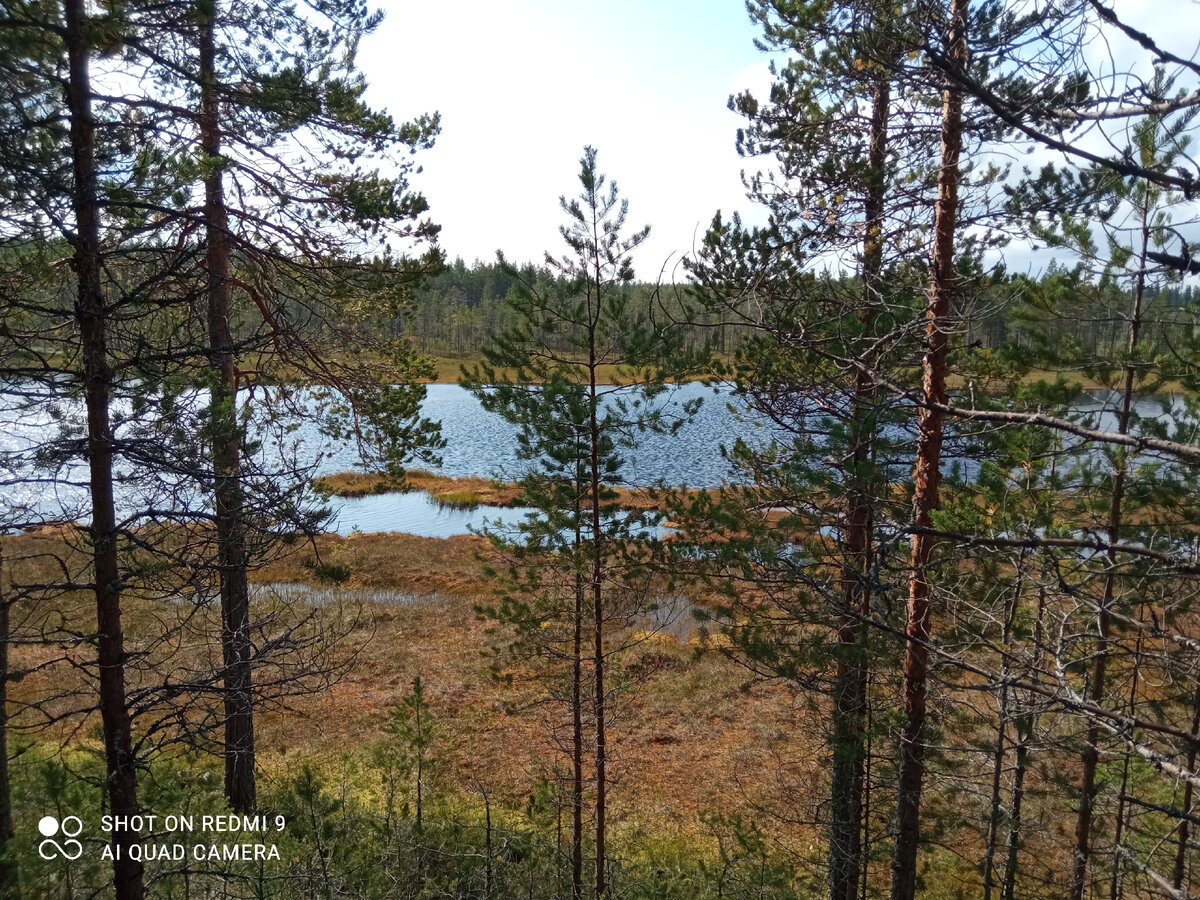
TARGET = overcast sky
(523,85)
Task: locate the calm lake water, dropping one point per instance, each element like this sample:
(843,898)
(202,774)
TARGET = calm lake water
(478,443)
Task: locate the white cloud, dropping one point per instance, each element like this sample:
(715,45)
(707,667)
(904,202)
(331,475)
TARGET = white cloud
(523,86)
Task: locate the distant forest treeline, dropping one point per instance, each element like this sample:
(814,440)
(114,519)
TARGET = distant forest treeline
(455,312)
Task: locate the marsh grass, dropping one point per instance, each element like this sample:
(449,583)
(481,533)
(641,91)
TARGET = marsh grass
(407,608)
(464,499)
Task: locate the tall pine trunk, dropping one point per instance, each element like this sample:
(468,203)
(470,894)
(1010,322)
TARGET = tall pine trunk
(850,679)
(226,448)
(577,731)
(927,475)
(1024,725)
(1091,752)
(91,318)
(597,593)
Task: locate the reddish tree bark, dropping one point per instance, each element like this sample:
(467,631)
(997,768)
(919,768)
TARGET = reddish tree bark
(927,476)
(850,679)
(229,504)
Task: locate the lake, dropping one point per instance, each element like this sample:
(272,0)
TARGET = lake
(478,443)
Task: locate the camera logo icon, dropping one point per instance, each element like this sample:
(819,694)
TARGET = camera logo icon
(70,848)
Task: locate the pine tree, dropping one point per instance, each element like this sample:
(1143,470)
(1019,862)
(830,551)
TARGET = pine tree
(841,188)
(297,269)
(1133,219)
(90,314)
(285,268)
(927,475)
(578,564)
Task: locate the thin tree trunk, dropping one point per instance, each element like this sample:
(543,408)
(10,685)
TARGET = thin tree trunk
(1017,798)
(849,687)
(487,848)
(1184,827)
(9,870)
(577,735)
(928,473)
(91,317)
(1024,726)
(558,824)
(420,825)
(597,604)
(1091,752)
(226,442)
(1116,886)
(998,753)
(864,868)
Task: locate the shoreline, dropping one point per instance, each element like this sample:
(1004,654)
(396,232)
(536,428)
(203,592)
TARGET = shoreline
(450,491)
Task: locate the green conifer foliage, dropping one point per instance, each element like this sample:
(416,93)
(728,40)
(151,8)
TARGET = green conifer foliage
(577,578)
